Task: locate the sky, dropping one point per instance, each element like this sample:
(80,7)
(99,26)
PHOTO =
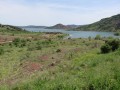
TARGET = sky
(51,12)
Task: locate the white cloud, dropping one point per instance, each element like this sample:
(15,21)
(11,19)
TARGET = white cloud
(19,13)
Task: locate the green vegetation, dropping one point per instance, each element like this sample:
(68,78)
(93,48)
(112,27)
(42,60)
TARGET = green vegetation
(11,29)
(59,26)
(98,37)
(110,45)
(19,42)
(47,61)
(106,48)
(117,34)
(107,24)
(1,51)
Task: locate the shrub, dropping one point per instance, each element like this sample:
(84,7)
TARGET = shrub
(58,50)
(1,51)
(23,42)
(117,34)
(98,37)
(60,36)
(16,42)
(38,47)
(110,45)
(10,44)
(31,48)
(114,44)
(89,38)
(19,42)
(105,48)
(110,37)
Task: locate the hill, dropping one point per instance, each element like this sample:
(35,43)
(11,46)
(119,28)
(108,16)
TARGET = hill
(73,26)
(61,26)
(106,24)
(9,28)
(58,26)
(32,26)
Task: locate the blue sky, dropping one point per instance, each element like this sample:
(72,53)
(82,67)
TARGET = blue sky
(50,12)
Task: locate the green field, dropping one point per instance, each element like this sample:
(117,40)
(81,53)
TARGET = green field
(42,61)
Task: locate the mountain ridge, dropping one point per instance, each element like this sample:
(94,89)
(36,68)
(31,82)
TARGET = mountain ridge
(32,26)
(106,24)
(10,28)
(62,26)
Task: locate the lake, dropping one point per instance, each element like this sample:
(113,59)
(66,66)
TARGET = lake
(75,34)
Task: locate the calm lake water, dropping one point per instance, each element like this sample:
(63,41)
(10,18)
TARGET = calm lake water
(75,34)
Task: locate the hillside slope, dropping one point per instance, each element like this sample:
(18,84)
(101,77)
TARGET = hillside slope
(58,26)
(9,28)
(61,26)
(106,24)
(32,26)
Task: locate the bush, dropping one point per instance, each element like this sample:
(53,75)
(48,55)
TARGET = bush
(19,42)
(98,37)
(117,34)
(16,42)
(110,45)
(110,37)
(38,47)
(31,48)
(105,48)
(1,51)
(114,44)
(89,38)
(58,50)
(10,44)
(60,36)
(23,42)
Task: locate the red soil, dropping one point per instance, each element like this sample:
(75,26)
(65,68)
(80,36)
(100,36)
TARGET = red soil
(31,67)
(44,57)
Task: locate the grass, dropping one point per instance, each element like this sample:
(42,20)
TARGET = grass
(88,72)
(49,62)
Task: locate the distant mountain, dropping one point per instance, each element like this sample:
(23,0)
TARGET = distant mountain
(58,26)
(32,26)
(61,26)
(73,26)
(10,28)
(106,24)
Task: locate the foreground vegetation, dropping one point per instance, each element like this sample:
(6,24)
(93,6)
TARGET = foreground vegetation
(47,61)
